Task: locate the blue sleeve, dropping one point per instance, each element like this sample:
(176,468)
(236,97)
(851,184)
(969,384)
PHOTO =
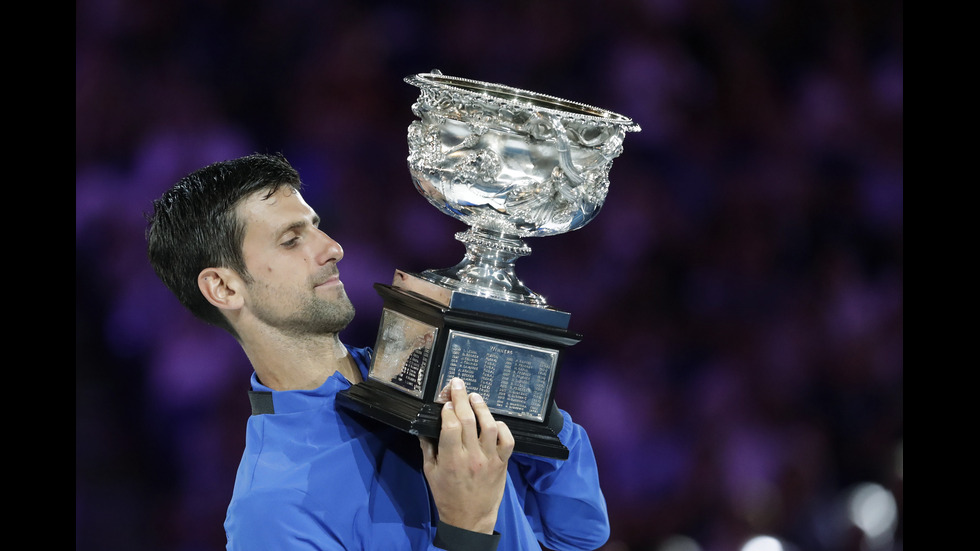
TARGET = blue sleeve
(562,499)
(269,520)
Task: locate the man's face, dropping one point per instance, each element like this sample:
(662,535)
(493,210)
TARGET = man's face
(295,284)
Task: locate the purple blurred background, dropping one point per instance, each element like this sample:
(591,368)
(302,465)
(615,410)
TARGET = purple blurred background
(740,294)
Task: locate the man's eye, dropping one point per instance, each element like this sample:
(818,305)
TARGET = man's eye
(291,243)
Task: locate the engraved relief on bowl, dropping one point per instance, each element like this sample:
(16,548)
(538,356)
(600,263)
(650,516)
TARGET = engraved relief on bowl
(508,160)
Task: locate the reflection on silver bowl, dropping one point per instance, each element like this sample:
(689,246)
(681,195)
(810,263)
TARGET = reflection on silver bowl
(510,164)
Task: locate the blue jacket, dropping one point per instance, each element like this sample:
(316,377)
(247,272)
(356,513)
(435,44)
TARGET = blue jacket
(313,476)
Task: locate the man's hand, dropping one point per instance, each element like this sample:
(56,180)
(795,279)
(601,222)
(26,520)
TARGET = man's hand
(468,472)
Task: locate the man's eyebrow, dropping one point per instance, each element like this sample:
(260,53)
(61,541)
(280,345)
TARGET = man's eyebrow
(315,221)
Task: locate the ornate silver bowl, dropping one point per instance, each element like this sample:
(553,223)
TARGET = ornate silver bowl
(510,164)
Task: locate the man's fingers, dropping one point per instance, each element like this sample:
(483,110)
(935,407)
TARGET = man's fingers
(450,433)
(505,441)
(468,424)
(496,440)
(488,426)
(428,450)
(464,414)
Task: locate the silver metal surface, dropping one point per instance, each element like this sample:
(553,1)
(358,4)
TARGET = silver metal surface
(511,164)
(514,379)
(403,352)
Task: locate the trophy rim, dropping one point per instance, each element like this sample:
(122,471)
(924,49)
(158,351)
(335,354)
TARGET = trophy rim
(524,99)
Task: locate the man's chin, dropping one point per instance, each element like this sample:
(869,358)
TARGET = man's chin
(330,317)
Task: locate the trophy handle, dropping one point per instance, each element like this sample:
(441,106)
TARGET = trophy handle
(564,147)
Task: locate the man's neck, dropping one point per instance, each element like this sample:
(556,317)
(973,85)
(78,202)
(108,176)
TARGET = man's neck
(300,364)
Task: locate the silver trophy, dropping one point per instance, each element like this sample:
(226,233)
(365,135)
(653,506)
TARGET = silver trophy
(511,164)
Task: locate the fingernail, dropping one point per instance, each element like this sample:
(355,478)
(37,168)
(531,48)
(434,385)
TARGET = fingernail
(458,383)
(448,405)
(476,398)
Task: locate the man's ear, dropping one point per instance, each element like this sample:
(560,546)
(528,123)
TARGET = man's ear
(221,287)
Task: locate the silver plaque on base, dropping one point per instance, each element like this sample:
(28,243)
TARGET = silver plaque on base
(511,164)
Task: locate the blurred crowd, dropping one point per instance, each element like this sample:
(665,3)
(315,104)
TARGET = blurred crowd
(740,294)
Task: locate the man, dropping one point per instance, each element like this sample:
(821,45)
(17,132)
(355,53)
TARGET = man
(241,249)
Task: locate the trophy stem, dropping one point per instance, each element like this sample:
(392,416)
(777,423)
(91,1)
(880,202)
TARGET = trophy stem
(487,269)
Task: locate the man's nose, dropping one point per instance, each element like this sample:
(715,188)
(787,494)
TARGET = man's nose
(329,249)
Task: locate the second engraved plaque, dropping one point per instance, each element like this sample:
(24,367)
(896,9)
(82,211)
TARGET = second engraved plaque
(514,379)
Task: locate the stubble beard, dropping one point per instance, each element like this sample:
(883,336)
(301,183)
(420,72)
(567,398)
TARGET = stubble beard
(314,316)
(325,316)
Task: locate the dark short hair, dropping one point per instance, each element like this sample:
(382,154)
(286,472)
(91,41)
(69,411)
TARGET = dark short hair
(194,225)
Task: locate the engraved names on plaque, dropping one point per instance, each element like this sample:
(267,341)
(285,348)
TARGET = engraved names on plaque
(513,379)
